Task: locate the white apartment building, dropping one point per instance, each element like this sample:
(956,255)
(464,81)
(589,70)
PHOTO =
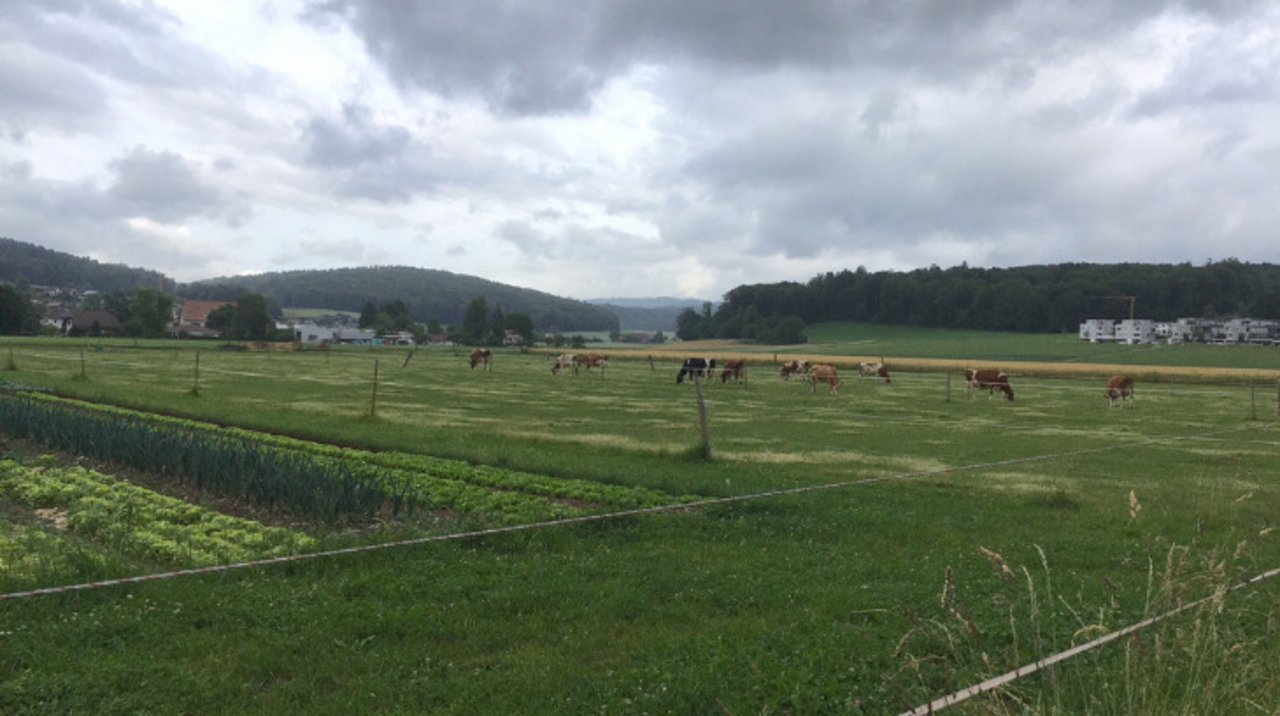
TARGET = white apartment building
(1138,330)
(1098,330)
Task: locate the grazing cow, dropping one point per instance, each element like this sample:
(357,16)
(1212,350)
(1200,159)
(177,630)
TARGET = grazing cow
(736,369)
(824,373)
(1119,388)
(793,367)
(591,360)
(566,360)
(991,380)
(696,368)
(877,370)
(479,356)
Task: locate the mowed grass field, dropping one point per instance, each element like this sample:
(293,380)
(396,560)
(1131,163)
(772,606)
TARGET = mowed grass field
(830,597)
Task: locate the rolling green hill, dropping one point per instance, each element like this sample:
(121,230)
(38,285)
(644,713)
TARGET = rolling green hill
(24,262)
(428,294)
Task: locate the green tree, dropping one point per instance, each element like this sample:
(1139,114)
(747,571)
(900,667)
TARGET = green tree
(221,318)
(245,320)
(521,324)
(473,321)
(689,325)
(434,327)
(16,313)
(149,314)
(253,321)
(497,326)
(368,315)
(118,304)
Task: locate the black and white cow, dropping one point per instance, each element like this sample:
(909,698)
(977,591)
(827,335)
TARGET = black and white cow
(696,368)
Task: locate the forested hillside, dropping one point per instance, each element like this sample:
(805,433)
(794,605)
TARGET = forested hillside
(36,265)
(427,293)
(1051,298)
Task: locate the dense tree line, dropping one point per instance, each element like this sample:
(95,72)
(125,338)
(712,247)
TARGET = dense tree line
(1046,299)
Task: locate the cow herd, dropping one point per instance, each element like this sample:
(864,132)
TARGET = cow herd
(576,362)
(1119,387)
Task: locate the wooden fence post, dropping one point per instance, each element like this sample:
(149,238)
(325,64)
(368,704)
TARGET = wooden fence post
(82,371)
(373,402)
(702,419)
(195,387)
(1253,401)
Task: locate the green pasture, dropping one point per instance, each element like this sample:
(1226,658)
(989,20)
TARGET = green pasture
(829,600)
(909,342)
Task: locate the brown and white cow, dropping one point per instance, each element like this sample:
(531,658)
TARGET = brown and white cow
(1119,389)
(481,356)
(591,360)
(991,380)
(792,367)
(565,360)
(824,373)
(736,369)
(875,370)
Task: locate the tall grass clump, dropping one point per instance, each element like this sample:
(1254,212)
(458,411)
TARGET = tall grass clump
(323,489)
(1212,648)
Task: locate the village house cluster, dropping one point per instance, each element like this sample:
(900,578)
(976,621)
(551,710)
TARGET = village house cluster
(1235,331)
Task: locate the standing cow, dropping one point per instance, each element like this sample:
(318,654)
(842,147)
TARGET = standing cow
(793,367)
(1119,389)
(591,360)
(481,356)
(736,369)
(565,360)
(695,368)
(877,370)
(991,380)
(824,373)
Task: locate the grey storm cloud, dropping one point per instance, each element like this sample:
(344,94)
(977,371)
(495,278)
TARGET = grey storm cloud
(382,162)
(391,163)
(125,41)
(165,187)
(83,218)
(353,140)
(548,56)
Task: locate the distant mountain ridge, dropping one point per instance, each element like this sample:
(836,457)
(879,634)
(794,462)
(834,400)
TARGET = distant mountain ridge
(654,302)
(427,293)
(649,314)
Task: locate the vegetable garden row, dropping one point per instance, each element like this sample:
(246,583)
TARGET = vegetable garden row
(314,480)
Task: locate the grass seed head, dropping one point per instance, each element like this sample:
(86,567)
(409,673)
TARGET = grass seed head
(948,590)
(997,562)
(1134,506)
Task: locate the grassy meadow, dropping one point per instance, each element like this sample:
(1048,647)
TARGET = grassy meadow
(928,540)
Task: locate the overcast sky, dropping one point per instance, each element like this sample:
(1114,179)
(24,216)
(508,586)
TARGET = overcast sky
(594,148)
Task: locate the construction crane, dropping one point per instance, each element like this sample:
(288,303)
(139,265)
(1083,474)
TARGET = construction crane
(1131,299)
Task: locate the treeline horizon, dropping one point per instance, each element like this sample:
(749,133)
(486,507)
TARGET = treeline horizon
(1033,299)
